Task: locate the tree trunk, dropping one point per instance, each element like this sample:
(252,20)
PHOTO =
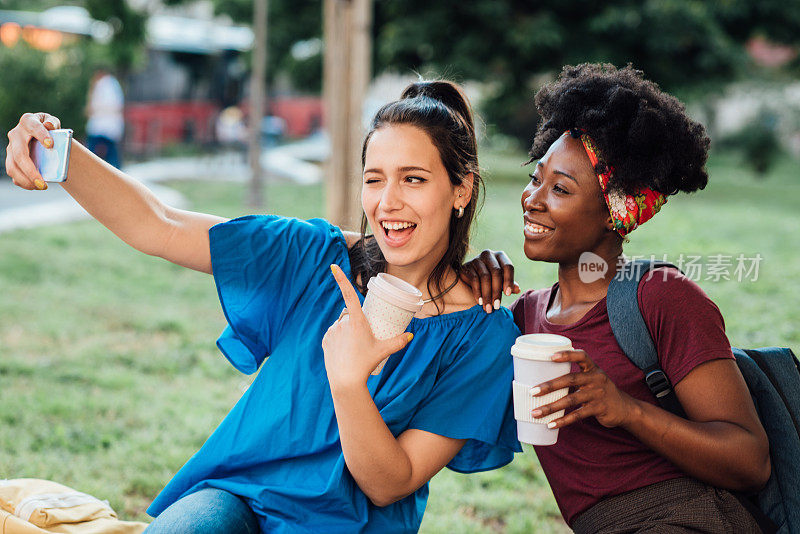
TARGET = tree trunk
(348,53)
(257,100)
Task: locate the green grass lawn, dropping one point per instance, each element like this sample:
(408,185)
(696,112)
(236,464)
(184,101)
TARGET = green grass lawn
(110,379)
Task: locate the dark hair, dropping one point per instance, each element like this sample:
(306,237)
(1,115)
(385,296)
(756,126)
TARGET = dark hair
(442,111)
(643,132)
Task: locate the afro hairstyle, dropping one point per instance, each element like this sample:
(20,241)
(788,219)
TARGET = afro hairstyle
(641,131)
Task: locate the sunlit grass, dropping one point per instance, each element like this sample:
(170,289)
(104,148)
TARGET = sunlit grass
(110,380)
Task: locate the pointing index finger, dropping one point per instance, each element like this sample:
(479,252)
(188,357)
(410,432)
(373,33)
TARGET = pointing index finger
(348,291)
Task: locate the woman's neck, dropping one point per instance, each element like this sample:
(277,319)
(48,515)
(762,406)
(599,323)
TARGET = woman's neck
(457,296)
(413,275)
(582,283)
(418,278)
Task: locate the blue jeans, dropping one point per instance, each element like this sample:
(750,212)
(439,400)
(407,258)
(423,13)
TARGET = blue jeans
(207,511)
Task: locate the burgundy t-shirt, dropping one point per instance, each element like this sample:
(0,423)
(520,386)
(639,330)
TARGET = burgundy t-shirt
(590,462)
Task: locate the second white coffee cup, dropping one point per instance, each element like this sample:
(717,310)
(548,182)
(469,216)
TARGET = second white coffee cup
(390,305)
(533,365)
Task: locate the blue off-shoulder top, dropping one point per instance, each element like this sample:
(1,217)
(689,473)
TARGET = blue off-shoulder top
(279,447)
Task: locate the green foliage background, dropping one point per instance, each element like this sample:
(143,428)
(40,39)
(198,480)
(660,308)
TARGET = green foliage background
(34,81)
(689,46)
(58,82)
(680,44)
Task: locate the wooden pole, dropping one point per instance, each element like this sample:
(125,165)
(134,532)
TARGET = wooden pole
(347,68)
(257,100)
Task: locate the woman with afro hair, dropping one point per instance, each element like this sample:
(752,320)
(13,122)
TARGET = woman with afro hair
(610,149)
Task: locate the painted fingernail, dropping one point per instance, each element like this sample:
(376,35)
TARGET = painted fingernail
(536,413)
(497,304)
(508,291)
(48,143)
(480,301)
(551,424)
(488,308)
(410,336)
(557,356)
(40,185)
(536,390)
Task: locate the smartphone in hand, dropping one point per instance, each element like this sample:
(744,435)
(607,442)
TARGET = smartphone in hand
(52,163)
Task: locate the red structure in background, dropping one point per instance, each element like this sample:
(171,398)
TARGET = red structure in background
(303,114)
(152,125)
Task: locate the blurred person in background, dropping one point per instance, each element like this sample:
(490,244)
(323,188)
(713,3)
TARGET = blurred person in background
(230,128)
(104,109)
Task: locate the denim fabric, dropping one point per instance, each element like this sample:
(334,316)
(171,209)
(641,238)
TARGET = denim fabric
(207,511)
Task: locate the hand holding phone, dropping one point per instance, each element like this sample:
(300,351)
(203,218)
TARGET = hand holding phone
(52,163)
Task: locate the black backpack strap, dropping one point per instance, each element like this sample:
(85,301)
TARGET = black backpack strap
(633,337)
(631,331)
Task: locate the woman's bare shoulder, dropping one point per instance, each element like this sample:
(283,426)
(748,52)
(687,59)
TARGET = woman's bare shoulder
(351,238)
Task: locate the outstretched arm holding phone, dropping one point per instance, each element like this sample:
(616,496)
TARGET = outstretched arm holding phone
(122,204)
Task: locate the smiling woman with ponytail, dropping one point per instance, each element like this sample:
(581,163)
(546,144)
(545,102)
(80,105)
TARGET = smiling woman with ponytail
(442,111)
(317,443)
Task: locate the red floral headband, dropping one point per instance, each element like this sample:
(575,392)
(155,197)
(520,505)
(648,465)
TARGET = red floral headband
(627,211)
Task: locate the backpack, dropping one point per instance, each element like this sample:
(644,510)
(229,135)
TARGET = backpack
(32,506)
(772,376)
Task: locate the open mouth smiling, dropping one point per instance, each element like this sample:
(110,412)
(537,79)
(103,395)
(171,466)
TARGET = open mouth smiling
(533,229)
(397,232)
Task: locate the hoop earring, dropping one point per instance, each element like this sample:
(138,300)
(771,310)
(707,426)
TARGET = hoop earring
(460,212)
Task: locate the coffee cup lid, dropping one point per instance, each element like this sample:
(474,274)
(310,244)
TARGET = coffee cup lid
(539,346)
(396,291)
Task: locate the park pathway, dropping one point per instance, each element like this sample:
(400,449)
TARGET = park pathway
(296,162)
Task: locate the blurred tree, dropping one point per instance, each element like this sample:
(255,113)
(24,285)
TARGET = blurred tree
(28,5)
(678,43)
(38,81)
(63,75)
(681,44)
(129,26)
(291,22)
(127,44)
(758,142)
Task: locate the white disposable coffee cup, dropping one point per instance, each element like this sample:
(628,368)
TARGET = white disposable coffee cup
(533,365)
(390,305)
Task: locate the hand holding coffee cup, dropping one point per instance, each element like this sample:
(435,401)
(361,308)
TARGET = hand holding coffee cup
(533,365)
(352,350)
(594,395)
(390,305)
